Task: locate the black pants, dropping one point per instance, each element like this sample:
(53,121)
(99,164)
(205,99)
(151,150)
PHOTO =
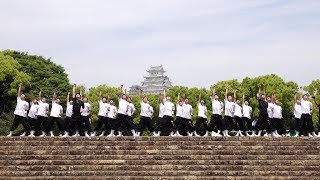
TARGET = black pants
(228,123)
(277,124)
(215,122)
(185,125)
(240,123)
(119,122)
(67,124)
(35,124)
(108,123)
(145,122)
(76,124)
(298,125)
(86,123)
(177,122)
(248,123)
(263,124)
(44,122)
(20,120)
(201,120)
(129,124)
(59,123)
(101,121)
(307,123)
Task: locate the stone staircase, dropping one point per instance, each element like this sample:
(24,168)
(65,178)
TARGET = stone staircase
(159,158)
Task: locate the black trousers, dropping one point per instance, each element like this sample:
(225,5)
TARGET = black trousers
(20,120)
(86,123)
(101,121)
(240,123)
(199,121)
(298,125)
(129,123)
(35,124)
(108,123)
(44,122)
(59,123)
(185,125)
(248,123)
(67,124)
(263,124)
(228,123)
(308,126)
(215,122)
(145,122)
(277,124)
(118,122)
(76,124)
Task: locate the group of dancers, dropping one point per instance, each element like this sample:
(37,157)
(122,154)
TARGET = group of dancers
(173,120)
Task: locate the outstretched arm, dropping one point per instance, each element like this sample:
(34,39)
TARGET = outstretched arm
(273,97)
(120,91)
(259,93)
(178,98)
(74,90)
(226,95)
(54,97)
(213,90)
(235,96)
(243,98)
(81,93)
(68,98)
(301,93)
(40,93)
(199,99)
(314,97)
(31,96)
(19,90)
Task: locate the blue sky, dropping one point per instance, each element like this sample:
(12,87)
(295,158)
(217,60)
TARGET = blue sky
(197,42)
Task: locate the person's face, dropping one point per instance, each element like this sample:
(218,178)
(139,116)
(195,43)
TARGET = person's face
(85,100)
(229,98)
(202,102)
(168,98)
(124,97)
(71,102)
(216,97)
(299,101)
(277,102)
(44,100)
(57,101)
(78,96)
(145,100)
(23,97)
(111,102)
(186,101)
(180,103)
(238,101)
(305,97)
(35,101)
(263,97)
(104,100)
(246,103)
(129,100)
(268,99)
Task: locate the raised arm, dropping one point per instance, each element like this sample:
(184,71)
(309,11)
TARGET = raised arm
(301,93)
(140,95)
(259,93)
(273,97)
(160,100)
(199,98)
(81,93)
(120,91)
(178,98)
(243,96)
(74,90)
(213,90)
(68,98)
(19,90)
(314,97)
(235,96)
(40,93)
(31,97)
(54,97)
(100,94)
(226,95)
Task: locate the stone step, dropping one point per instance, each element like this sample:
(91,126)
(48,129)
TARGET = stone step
(160,173)
(303,157)
(161,162)
(193,167)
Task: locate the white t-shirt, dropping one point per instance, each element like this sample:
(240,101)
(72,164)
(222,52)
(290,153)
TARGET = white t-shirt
(270,110)
(186,111)
(123,106)
(306,107)
(69,110)
(179,112)
(103,109)
(112,111)
(238,110)
(43,109)
(151,111)
(145,109)
(229,108)
(277,111)
(131,109)
(86,110)
(56,110)
(217,107)
(21,108)
(202,111)
(297,111)
(161,110)
(33,111)
(247,111)
(168,108)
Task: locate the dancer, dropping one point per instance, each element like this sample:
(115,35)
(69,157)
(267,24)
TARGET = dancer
(187,113)
(246,118)
(68,118)
(169,108)
(76,123)
(43,113)
(32,115)
(85,115)
(102,115)
(277,123)
(216,117)
(113,120)
(229,113)
(318,105)
(306,117)
(202,117)
(130,112)
(238,116)
(262,122)
(55,116)
(160,120)
(145,115)
(20,113)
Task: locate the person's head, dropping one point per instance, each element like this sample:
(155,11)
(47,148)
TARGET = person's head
(202,102)
(35,101)
(263,96)
(57,101)
(145,99)
(129,99)
(78,96)
(299,102)
(186,101)
(85,100)
(277,102)
(124,97)
(44,100)
(104,100)
(111,102)
(246,103)
(238,101)
(71,102)
(269,99)
(305,97)
(216,97)
(230,98)
(168,98)
(23,96)
(180,102)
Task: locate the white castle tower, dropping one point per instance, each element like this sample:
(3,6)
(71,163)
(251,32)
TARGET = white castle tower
(154,83)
